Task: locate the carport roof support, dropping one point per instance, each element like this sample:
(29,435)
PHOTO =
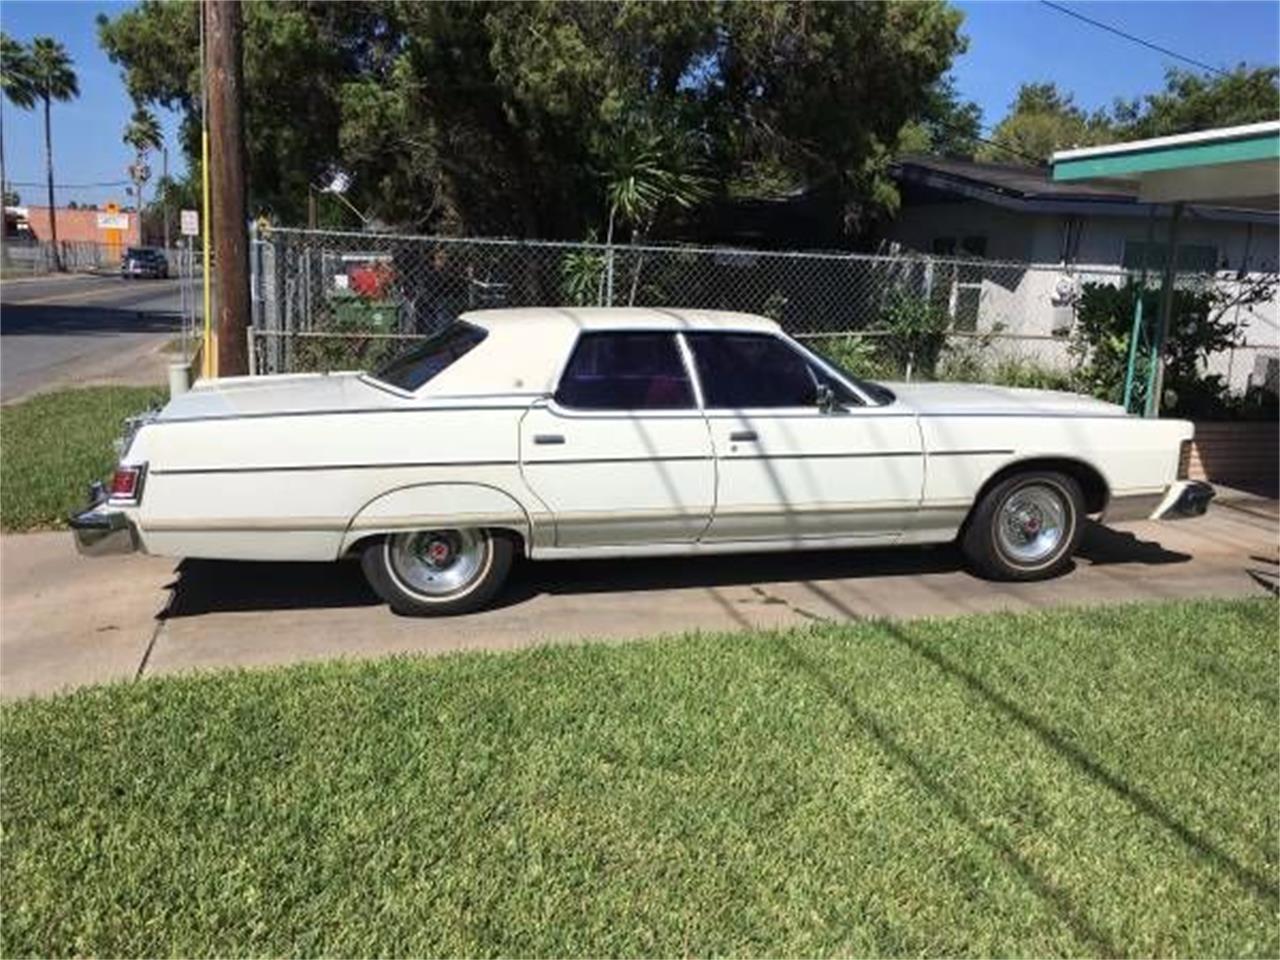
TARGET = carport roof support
(1231,166)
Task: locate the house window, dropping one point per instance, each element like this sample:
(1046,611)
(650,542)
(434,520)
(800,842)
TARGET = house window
(1192,257)
(971,246)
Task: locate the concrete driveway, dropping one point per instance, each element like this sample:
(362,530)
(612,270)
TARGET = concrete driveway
(69,621)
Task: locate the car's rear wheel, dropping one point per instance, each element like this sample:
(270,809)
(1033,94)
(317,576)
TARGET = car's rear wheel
(438,572)
(1026,527)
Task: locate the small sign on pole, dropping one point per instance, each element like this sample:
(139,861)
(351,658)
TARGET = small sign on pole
(113,221)
(190,220)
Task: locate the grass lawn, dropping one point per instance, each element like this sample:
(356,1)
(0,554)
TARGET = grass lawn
(1098,783)
(53,444)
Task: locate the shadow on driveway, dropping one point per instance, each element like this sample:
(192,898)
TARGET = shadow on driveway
(213,586)
(52,319)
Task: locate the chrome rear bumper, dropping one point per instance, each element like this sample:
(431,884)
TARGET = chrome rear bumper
(100,531)
(1178,501)
(1186,498)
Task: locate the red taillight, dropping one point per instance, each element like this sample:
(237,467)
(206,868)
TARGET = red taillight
(126,483)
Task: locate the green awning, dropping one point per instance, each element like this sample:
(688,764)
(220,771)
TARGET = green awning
(1232,166)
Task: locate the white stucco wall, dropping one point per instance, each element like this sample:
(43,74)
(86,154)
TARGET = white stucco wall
(1022,295)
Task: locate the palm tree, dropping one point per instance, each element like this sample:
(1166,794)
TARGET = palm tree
(18,88)
(143,134)
(53,79)
(644,170)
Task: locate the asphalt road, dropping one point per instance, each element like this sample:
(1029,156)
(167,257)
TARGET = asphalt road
(66,620)
(64,330)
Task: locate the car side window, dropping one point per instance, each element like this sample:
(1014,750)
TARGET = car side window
(746,370)
(626,371)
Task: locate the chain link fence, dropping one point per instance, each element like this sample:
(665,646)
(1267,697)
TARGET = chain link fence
(330,300)
(21,257)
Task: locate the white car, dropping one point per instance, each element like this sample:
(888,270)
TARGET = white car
(563,432)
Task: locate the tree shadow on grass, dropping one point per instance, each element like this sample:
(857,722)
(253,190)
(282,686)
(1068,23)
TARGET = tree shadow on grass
(1095,939)
(1204,848)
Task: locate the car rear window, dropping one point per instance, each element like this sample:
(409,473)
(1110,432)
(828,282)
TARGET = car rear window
(626,371)
(411,369)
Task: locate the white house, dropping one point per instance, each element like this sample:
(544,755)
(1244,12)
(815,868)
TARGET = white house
(1047,238)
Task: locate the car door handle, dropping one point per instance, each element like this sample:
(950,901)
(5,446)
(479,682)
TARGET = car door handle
(743,436)
(546,439)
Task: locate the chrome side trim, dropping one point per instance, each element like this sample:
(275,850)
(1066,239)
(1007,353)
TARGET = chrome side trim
(181,471)
(415,408)
(268,524)
(704,547)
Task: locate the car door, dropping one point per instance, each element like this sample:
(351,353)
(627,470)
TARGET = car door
(788,469)
(621,453)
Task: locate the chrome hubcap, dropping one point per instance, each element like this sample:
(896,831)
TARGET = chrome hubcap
(1031,524)
(437,562)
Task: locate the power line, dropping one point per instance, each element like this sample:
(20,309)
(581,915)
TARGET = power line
(69,186)
(1129,36)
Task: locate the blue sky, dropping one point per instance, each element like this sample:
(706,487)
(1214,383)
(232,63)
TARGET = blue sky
(86,132)
(1010,41)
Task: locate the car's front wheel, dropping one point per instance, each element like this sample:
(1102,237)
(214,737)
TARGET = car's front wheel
(1026,527)
(438,572)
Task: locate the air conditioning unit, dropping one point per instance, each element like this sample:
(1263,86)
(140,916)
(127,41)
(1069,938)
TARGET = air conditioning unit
(1266,373)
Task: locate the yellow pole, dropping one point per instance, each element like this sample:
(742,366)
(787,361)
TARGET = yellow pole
(210,346)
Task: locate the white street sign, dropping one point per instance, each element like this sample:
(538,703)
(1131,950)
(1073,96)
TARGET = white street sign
(190,223)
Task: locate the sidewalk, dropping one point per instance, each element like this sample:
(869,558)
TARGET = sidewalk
(68,621)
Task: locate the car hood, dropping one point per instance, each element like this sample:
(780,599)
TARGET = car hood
(273,395)
(978,398)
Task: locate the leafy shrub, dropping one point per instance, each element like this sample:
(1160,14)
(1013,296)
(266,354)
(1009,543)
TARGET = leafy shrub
(350,340)
(857,355)
(914,334)
(1198,329)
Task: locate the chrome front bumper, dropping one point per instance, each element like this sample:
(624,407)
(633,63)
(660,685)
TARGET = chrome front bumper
(1179,501)
(100,531)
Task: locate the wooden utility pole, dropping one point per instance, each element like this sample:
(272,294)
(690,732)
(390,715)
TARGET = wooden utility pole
(225,83)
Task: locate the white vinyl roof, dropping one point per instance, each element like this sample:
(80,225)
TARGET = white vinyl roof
(619,318)
(527,347)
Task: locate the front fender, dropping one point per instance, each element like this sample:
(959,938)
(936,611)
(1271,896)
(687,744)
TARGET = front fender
(429,506)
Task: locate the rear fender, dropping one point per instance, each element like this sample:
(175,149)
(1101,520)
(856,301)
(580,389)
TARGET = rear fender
(429,506)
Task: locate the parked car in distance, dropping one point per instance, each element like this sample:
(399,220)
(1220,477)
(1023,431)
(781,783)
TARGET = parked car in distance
(144,262)
(566,432)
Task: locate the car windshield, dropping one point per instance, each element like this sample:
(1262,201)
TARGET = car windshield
(411,369)
(140,253)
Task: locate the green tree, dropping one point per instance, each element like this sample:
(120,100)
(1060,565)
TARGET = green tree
(946,125)
(1193,101)
(1043,119)
(497,118)
(53,78)
(17,86)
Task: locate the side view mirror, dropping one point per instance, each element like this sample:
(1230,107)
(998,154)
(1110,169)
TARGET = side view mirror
(827,402)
